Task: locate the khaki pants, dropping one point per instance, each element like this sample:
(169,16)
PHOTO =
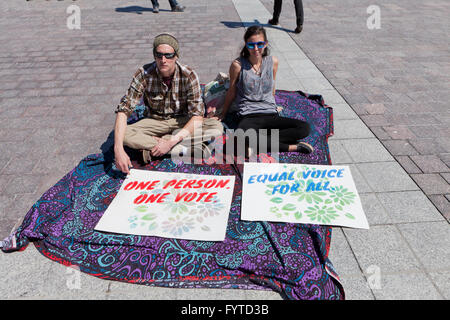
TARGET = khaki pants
(141,135)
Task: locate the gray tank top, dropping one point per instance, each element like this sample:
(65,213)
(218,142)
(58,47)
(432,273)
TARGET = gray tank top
(254,92)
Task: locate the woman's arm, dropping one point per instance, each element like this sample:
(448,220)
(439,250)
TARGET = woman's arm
(235,69)
(275,69)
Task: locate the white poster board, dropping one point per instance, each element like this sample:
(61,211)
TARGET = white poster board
(300,193)
(170,205)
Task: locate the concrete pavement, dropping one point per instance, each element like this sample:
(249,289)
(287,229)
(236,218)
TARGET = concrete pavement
(59,90)
(395,78)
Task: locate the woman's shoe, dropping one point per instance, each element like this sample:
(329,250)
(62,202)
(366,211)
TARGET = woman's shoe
(304,147)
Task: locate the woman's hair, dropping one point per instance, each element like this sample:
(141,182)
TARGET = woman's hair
(251,31)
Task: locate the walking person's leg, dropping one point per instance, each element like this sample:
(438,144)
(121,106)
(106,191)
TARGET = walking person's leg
(176,7)
(276,12)
(299,15)
(155,6)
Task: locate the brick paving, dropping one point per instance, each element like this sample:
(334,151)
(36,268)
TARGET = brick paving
(59,87)
(395,78)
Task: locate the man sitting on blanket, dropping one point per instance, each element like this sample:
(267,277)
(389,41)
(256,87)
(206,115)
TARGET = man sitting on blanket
(174,110)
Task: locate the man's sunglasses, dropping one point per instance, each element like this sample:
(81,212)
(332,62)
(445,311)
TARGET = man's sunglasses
(251,45)
(159,55)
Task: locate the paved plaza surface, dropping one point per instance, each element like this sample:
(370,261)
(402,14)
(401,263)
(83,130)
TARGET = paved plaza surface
(388,88)
(396,78)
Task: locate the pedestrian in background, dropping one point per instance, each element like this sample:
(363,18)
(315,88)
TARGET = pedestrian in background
(173,4)
(298,12)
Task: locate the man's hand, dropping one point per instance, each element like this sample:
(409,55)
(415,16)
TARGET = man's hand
(162,147)
(220,117)
(123,162)
(210,111)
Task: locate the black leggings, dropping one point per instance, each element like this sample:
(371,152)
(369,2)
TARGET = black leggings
(290,130)
(298,10)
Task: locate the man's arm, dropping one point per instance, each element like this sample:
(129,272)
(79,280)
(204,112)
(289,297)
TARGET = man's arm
(123,162)
(124,110)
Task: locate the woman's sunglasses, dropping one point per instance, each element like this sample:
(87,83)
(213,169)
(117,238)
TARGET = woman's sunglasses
(251,45)
(159,55)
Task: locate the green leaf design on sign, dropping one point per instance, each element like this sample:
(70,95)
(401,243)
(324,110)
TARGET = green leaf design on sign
(289,207)
(141,208)
(321,214)
(298,215)
(149,216)
(310,196)
(350,216)
(342,196)
(154,225)
(276,200)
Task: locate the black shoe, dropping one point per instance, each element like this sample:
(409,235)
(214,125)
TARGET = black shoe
(304,147)
(298,29)
(178,8)
(155,9)
(273,21)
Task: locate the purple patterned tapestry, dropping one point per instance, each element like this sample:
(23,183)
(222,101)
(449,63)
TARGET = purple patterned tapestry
(291,259)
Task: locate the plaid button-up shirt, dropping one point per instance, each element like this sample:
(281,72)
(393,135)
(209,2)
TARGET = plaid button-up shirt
(184,98)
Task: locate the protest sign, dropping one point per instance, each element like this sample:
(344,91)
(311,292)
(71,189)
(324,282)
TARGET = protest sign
(300,193)
(171,205)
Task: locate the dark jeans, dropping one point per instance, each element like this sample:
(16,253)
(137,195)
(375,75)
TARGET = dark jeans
(298,10)
(290,130)
(173,3)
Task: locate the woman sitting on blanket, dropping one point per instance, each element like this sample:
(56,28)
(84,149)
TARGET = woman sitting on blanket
(252,88)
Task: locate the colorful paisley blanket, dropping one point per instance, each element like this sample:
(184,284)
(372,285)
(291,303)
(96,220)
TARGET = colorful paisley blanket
(291,259)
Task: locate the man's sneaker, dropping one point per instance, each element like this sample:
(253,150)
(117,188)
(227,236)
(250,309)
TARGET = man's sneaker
(273,22)
(298,29)
(155,9)
(146,156)
(178,8)
(304,147)
(200,152)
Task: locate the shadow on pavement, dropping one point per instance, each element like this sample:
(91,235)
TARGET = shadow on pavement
(137,9)
(243,24)
(109,143)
